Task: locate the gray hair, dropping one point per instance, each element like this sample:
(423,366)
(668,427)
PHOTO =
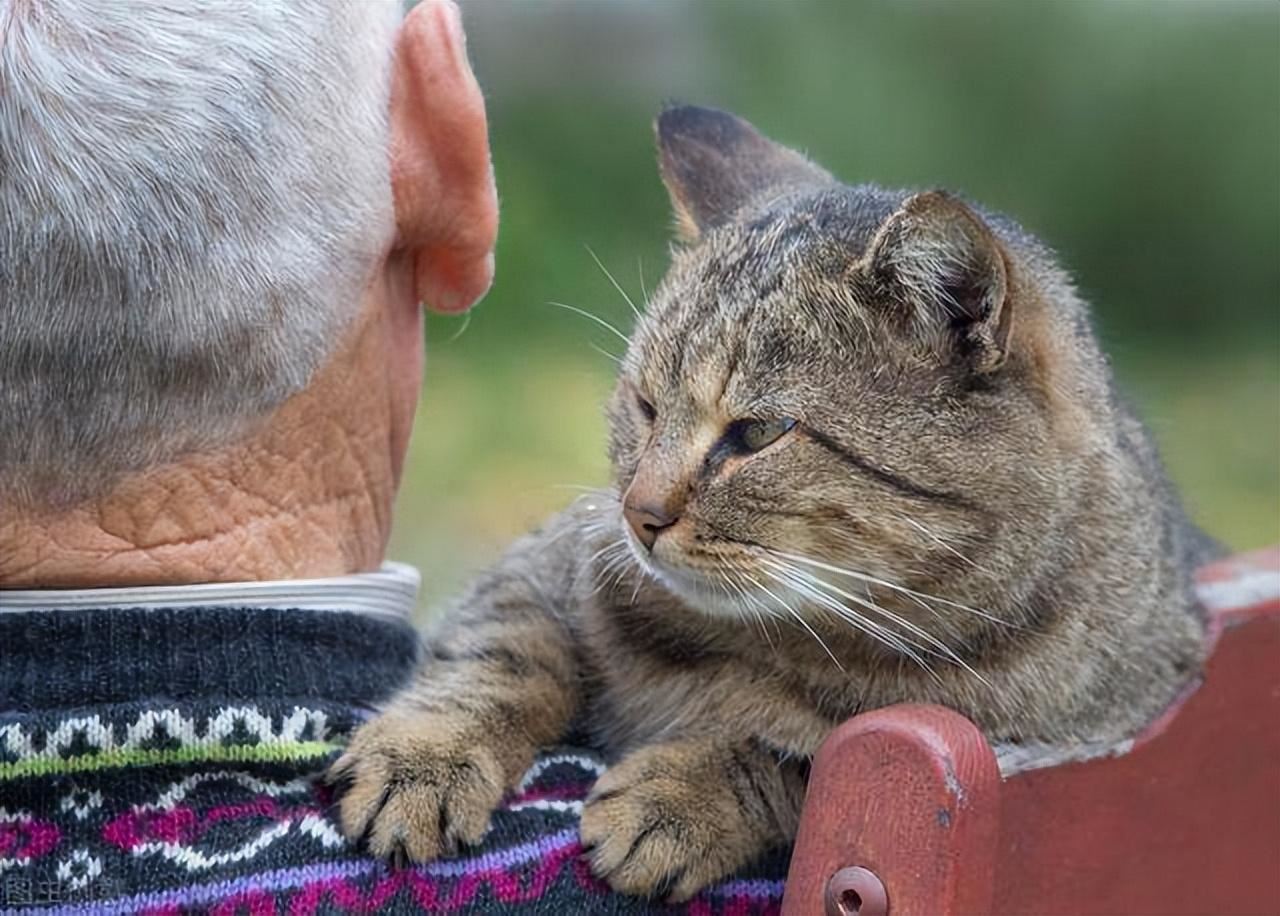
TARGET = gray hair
(192,195)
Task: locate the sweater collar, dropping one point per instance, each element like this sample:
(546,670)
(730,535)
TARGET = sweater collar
(390,593)
(347,641)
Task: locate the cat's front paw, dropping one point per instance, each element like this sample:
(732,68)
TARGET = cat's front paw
(665,823)
(416,785)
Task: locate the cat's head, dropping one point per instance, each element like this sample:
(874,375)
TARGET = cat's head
(827,397)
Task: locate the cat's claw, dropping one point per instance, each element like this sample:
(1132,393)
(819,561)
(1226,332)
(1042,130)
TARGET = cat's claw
(660,836)
(415,787)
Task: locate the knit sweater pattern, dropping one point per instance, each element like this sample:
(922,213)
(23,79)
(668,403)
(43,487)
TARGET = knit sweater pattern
(169,762)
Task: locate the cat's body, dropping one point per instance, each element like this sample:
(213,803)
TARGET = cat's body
(867,451)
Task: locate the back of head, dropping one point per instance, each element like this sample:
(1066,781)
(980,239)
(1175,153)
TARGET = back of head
(192,195)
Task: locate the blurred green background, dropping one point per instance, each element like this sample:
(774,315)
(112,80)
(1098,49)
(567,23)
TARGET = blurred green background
(1140,139)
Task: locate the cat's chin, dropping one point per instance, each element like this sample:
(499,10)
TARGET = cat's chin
(704,597)
(700,593)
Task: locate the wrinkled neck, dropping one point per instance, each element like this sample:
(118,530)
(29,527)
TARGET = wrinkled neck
(306,494)
(195,522)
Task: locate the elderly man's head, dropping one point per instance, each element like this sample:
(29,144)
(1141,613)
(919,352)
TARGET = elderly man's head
(217,218)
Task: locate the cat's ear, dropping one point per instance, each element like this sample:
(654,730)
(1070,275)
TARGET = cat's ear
(714,163)
(941,258)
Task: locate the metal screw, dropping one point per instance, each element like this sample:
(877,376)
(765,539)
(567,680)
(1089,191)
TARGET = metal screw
(856,892)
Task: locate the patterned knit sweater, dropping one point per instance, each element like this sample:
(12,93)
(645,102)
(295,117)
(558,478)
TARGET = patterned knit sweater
(166,762)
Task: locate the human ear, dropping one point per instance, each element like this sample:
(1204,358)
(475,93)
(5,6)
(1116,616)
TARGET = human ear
(446,205)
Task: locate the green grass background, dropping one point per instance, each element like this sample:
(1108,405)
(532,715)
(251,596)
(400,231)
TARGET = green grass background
(1140,139)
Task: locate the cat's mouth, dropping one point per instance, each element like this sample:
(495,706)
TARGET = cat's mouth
(721,581)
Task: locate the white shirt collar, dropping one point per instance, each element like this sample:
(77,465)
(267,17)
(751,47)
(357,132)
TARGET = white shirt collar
(391,592)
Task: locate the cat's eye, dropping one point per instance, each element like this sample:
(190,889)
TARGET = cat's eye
(753,435)
(650,412)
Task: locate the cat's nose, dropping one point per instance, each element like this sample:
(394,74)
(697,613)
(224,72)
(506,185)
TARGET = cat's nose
(647,522)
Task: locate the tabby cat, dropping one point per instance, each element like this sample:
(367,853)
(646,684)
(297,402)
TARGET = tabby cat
(866,450)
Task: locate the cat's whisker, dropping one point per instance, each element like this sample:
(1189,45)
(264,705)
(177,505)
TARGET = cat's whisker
(870,604)
(947,652)
(943,620)
(810,587)
(607,548)
(616,285)
(939,541)
(758,609)
(873,580)
(918,600)
(594,533)
(762,615)
(617,566)
(635,592)
(896,619)
(605,506)
(604,585)
(733,592)
(590,317)
(603,580)
(771,616)
(912,648)
(762,610)
(610,563)
(995,696)
(798,619)
(626,563)
(794,579)
(612,357)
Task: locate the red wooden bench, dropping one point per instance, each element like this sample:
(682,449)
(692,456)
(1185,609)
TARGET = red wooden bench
(907,813)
